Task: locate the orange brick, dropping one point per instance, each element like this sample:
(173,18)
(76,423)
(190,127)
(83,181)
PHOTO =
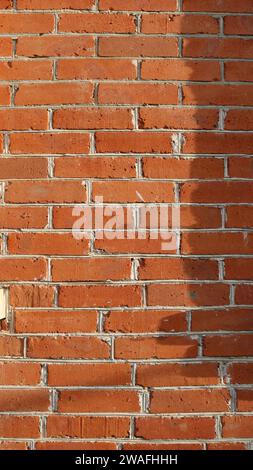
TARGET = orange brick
(67,347)
(54,93)
(92,118)
(86,269)
(55,321)
(53,46)
(99,401)
(53,143)
(97,23)
(143,321)
(91,374)
(46,244)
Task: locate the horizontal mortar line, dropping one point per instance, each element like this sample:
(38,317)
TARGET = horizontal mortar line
(230,360)
(157,307)
(133,34)
(133,155)
(132,58)
(154,334)
(108,11)
(138,388)
(101,81)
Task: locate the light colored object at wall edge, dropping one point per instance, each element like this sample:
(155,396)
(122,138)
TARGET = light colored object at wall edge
(3,303)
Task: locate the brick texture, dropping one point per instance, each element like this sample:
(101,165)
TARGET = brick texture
(119,343)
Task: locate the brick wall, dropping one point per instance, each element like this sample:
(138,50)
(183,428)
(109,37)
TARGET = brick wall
(117,343)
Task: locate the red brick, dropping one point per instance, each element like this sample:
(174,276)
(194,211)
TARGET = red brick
(239,71)
(137,93)
(4,94)
(55,321)
(5,4)
(222,320)
(226,446)
(11,346)
(200,217)
(240,373)
(133,142)
(241,25)
(99,296)
(24,400)
(244,400)
(75,347)
(216,47)
(218,6)
(225,346)
(92,69)
(240,167)
(175,428)
(90,269)
(63,217)
(54,4)
(126,244)
(6,46)
(239,216)
(216,143)
(176,375)
(180,69)
(177,118)
(23,217)
(217,192)
(32,296)
(141,321)
(131,46)
(163,446)
(239,119)
(98,401)
(19,168)
(239,268)
(54,93)
(178,268)
(92,374)
(19,426)
(46,244)
(216,243)
(52,143)
(75,445)
(23,119)
(92,118)
(178,24)
(97,23)
(44,192)
(189,401)
(139,5)
(128,191)
(237,426)
(86,426)
(162,347)
(26,269)
(21,373)
(26,70)
(12,23)
(183,168)
(95,167)
(217,95)
(51,46)
(188,295)
(244,294)
(13,445)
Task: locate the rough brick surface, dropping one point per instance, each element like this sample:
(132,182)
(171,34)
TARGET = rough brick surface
(120,343)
